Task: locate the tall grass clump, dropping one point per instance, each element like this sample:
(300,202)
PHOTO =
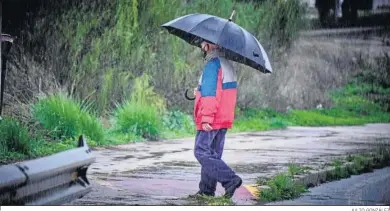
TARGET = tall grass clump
(141,115)
(64,117)
(14,138)
(138,119)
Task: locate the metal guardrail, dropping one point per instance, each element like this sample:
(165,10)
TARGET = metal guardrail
(51,180)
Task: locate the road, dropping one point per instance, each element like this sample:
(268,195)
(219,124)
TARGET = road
(370,189)
(166,172)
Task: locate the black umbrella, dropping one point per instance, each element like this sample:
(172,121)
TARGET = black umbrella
(238,44)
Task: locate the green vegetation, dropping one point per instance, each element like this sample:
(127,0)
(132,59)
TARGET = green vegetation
(282,186)
(13,139)
(120,67)
(17,144)
(65,118)
(103,47)
(361,163)
(285,186)
(145,117)
(294,169)
(203,200)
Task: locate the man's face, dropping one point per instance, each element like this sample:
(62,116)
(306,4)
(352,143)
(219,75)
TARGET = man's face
(206,46)
(204,49)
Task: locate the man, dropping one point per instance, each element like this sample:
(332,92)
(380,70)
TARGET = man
(214,114)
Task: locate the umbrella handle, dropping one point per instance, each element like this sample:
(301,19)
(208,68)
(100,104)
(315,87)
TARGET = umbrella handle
(186,95)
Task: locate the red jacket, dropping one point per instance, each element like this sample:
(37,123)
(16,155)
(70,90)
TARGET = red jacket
(215,100)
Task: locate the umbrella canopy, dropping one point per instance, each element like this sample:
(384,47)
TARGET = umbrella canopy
(239,45)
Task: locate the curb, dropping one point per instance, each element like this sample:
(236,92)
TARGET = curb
(316,177)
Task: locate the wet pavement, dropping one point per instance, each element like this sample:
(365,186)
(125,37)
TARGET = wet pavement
(370,189)
(166,172)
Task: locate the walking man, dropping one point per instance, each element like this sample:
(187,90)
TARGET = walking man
(214,114)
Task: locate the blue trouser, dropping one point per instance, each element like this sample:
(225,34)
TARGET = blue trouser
(208,151)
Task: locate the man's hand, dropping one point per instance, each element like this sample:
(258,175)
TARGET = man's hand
(195,89)
(206,127)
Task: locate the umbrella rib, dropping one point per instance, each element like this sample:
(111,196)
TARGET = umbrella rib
(189,31)
(243,32)
(220,34)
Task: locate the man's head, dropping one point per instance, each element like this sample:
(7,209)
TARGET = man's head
(207,47)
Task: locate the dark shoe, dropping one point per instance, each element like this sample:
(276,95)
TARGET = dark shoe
(200,193)
(236,183)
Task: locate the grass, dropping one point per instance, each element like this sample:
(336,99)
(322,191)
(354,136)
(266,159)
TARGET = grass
(358,164)
(63,118)
(144,117)
(211,201)
(294,169)
(361,163)
(139,119)
(17,144)
(283,186)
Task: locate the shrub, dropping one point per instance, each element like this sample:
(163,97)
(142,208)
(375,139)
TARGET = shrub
(65,118)
(179,121)
(141,115)
(139,119)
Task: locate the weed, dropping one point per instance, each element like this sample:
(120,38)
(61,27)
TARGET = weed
(282,187)
(295,169)
(213,201)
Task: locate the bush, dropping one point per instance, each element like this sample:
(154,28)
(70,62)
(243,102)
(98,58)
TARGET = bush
(139,119)
(141,115)
(14,137)
(179,121)
(65,118)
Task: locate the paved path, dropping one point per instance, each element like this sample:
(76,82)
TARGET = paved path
(166,172)
(371,189)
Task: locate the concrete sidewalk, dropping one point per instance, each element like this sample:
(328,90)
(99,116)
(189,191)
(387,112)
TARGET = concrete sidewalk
(165,172)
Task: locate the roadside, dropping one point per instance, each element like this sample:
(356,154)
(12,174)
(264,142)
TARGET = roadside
(366,189)
(166,172)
